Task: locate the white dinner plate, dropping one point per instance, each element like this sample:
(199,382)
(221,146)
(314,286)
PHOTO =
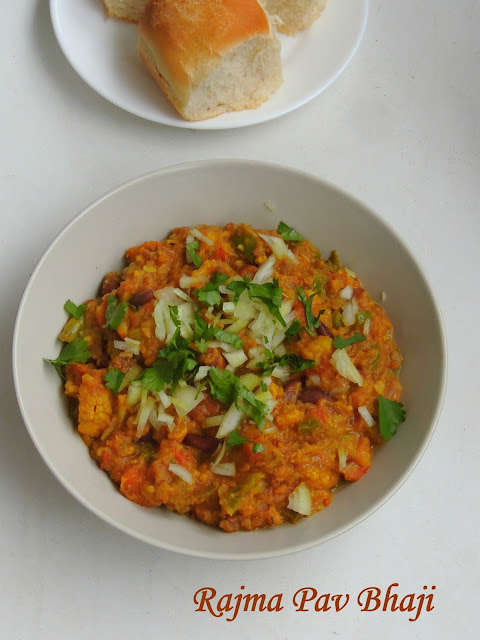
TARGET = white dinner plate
(103,52)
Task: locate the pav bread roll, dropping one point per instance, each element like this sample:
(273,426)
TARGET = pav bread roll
(128,10)
(295,15)
(210,56)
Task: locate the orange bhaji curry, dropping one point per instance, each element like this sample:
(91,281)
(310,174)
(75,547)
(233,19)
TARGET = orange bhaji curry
(232,374)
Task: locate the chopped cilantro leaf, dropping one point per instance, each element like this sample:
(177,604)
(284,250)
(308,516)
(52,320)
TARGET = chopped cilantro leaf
(234,439)
(174,315)
(292,360)
(230,338)
(115,312)
(201,345)
(227,388)
(288,234)
(113,379)
(199,326)
(258,447)
(238,287)
(341,343)
(192,248)
(271,296)
(75,351)
(156,377)
(390,415)
(293,331)
(72,309)
(209,294)
(222,385)
(312,320)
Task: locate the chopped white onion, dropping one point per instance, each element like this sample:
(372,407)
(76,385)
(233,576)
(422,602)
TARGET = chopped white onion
(224,346)
(237,326)
(236,358)
(300,500)
(190,281)
(350,272)
(265,271)
(342,458)
(270,206)
(200,236)
(167,294)
(250,380)
(230,421)
(279,247)
(219,453)
(348,315)
(270,429)
(345,367)
(201,373)
(165,418)
(165,400)
(366,327)
(185,399)
(346,293)
(182,294)
(224,469)
(129,345)
(383,295)
(181,472)
(214,421)
(366,415)
(143,415)
(228,307)
(282,373)
(134,395)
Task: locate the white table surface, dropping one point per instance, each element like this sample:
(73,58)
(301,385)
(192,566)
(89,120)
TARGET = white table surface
(400,129)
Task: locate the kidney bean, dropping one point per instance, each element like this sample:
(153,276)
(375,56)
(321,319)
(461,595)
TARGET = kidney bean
(292,389)
(208,444)
(141,297)
(111,282)
(323,330)
(312,395)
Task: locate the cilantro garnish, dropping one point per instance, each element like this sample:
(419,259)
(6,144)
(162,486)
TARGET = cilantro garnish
(222,385)
(293,331)
(271,296)
(226,336)
(292,360)
(75,351)
(174,315)
(234,439)
(227,388)
(175,362)
(341,343)
(115,312)
(72,309)
(238,287)
(390,415)
(192,248)
(209,294)
(258,447)
(113,379)
(156,377)
(312,320)
(288,234)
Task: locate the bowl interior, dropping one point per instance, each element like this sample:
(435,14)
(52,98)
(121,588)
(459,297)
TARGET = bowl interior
(217,192)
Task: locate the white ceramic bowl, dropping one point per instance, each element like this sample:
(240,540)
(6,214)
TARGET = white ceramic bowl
(217,192)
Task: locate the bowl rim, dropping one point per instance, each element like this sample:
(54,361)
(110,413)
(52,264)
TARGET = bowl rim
(212,164)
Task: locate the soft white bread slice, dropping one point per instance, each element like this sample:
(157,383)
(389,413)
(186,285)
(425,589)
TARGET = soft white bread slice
(210,56)
(295,15)
(129,10)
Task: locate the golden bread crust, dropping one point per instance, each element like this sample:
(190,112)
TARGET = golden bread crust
(187,37)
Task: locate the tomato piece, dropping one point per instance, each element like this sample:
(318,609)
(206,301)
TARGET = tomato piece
(220,254)
(353,472)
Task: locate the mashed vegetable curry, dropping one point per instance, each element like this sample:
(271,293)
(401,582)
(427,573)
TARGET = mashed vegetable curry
(231,374)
